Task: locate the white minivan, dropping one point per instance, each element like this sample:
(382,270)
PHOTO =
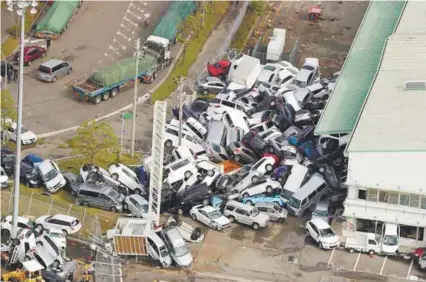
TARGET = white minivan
(171,137)
(390,238)
(294,181)
(51,175)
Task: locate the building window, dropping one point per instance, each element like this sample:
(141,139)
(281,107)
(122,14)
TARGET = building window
(409,232)
(420,233)
(383,196)
(372,195)
(404,199)
(393,198)
(362,194)
(414,200)
(423,202)
(365,225)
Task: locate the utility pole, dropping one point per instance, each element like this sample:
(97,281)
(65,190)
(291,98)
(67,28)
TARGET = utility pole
(180,81)
(135,97)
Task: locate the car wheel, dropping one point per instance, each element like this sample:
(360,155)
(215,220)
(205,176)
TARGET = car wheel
(269,189)
(210,173)
(249,203)
(5,233)
(113,209)
(113,92)
(325,97)
(256,226)
(351,250)
(138,191)
(320,245)
(280,179)
(254,179)
(168,143)
(39,227)
(16,242)
(65,232)
(205,202)
(269,167)
(85,204)
(180,211)
(56,264)
(97,99)
(205,92)
(187,174)
(246,195)
(39,243)
(105,96)
(114,176)
(308,235)
(54,79)
(371,252)
(231,218)
(125,207)
(194,217)
(249,112)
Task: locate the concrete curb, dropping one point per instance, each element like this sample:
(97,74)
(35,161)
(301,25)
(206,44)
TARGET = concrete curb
(141,100)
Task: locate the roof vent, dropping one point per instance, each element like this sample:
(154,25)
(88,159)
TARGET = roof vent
(415,85)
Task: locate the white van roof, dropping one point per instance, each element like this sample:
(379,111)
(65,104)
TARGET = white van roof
(391,229)
(313,183)
(296,177)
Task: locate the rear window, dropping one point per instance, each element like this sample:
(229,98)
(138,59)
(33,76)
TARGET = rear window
(44,69)
(180,164)
(75,223)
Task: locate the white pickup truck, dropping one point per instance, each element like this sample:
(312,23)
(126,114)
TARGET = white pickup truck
(372,244)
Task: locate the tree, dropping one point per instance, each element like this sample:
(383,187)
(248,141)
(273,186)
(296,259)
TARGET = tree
(8,106)
(188,29)
(96,141)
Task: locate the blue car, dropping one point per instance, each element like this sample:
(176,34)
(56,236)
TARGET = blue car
(261,198)
(32,160)
(281,173)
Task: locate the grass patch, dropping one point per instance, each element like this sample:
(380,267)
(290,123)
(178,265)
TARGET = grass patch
(8,47)
(194,47)
(243,31)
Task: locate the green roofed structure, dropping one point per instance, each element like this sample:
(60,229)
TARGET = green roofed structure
(360,68)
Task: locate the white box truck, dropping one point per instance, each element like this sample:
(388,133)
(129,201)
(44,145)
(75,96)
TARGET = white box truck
(276,45)
(243,72)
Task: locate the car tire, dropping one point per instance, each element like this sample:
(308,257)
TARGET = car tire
(85,204)
(371,252)
(205,92)
(65,232)
(249,113)
(16,242)
(97,99)
(5,233)
(254,179)
(168,143)
(39,227)
(352,250)
(113,92)
(187,174)
(125,207)
(194,217)
(231,218)
(269,189)
(210,173)
(180,211)
(246,195)
(114,176)
(248,202)
(269,167)
(56,264)
(113,209)
(308,235)
(256,226)
(105,96)
(54,79)
(320,245)
(39,243)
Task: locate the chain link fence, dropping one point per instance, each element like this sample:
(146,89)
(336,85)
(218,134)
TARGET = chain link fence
(224,49)
(260,50)
(35,206)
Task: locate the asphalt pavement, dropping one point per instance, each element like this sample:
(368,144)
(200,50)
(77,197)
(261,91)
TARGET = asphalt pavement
(100,32)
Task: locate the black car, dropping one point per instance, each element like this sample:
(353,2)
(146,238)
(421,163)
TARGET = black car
(193,195)
(8,161)
(30,176)
(199,106)
(255,142)
(73,182)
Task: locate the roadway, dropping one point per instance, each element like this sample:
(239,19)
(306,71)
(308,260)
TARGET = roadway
(100,32)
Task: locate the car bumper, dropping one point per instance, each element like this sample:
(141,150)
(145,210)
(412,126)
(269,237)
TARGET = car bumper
(45,78)
(29,141)
(4,185)
(223,227)
(331,246)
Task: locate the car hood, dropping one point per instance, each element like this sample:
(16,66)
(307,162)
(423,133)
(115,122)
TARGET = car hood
(185,260)
(223,220)
(28,135)
(330,240)
(56,183)
(262,217)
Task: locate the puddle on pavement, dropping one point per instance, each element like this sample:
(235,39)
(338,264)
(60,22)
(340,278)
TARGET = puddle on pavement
(238,233)
(262,235)
(321,266)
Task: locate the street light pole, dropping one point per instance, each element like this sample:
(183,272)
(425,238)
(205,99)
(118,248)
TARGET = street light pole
(181,98)
(135,97)
(21,5)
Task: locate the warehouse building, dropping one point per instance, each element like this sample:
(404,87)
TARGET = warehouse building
(387,149)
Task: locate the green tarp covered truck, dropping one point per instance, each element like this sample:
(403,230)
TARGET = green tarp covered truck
(109,81)
(55,20)
(177,12)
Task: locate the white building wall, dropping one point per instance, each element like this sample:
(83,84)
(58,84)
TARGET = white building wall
(398,171)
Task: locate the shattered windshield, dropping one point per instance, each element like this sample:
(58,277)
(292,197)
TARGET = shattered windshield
(50,175)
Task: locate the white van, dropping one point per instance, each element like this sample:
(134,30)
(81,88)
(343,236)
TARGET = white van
(192,126)
(157,250)
(390,238)
(309,194)
(171,137)
(294,181)
(179,170)
(236,120)
(215,140)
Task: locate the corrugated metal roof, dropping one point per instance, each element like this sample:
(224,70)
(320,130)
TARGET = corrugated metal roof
(394,119)
(360,67)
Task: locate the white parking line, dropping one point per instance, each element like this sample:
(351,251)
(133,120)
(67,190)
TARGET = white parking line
(121,45)
(126,28)
(133,14)
(109,57)
(383,265)
(331,257)
(137,8)
(357,260)
(132,23)
(124,36)
(409,269)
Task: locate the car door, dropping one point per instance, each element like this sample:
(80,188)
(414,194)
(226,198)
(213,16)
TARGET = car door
(215,87)
(153,251)
(104,202)
(134,207)
(239,215)
(314,232)
(204,218)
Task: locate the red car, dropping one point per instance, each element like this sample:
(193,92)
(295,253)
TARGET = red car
(218,69)
(418,253)
(31,54)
